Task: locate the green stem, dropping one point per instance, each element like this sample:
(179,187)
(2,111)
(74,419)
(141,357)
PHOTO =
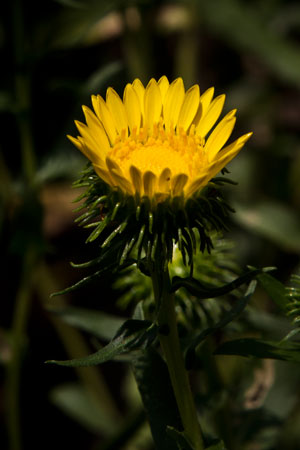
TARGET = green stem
(170,345)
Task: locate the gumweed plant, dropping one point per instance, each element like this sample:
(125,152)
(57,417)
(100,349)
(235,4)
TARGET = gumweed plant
(153,189)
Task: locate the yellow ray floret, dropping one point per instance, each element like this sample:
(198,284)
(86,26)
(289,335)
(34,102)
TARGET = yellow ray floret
(158,141)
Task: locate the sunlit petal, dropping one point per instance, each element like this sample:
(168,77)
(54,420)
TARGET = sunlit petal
(154,142)
(173,103)
(152,104)
(208,119)
(117,110)
(132,108)
(189,107)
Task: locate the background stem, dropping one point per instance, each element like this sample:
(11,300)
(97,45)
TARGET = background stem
(23,301)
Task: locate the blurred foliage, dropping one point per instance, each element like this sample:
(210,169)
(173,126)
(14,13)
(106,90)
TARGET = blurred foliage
(54,56)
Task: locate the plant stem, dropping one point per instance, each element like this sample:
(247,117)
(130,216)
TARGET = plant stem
(170,345)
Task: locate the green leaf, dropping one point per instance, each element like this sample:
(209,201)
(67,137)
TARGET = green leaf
(228,317)
(275,289)
(84,281)
(133,335)
(202,291)
(108,268)
(99,324)
(152,377)
(285,351)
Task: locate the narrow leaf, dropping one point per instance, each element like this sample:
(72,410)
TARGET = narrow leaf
(228,317)
(132,335)
(285,351)
(202,291)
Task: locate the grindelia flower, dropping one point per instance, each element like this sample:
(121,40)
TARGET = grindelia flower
(154,141)
(154,159)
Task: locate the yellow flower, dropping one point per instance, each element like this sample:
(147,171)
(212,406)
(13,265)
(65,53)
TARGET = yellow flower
(154,142)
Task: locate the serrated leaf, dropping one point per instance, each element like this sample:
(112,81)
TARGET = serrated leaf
(99,324)
(228,317)
(84,281)
(285,351)
(133,335)
(108,268)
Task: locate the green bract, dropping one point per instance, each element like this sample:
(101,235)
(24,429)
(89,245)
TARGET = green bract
(133,226)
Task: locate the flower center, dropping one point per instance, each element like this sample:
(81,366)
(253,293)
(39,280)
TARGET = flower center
(181,152)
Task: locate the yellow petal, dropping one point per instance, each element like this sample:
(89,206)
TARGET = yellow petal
(150,182)
(236,145)
(206,99)
(140,92)
(197,184)
(152,104)
(117,110)
(224,157)
(105,116)
(216,166)
(173,102)
(96,129)
(132,108)
(164,181)
(103,174)
(189,107)
(94,152)
(219,137)
(89,154)
(117,176)
(76,142)
(163,84)
(136,178)
(209,119)
(178,182)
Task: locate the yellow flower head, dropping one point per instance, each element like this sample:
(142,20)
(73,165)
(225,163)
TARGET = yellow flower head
(152,179)
(154,142)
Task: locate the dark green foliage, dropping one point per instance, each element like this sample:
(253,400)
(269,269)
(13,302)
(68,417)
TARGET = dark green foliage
(285,351)
(227,317)
(128,225)
(133,335)
(201,291)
